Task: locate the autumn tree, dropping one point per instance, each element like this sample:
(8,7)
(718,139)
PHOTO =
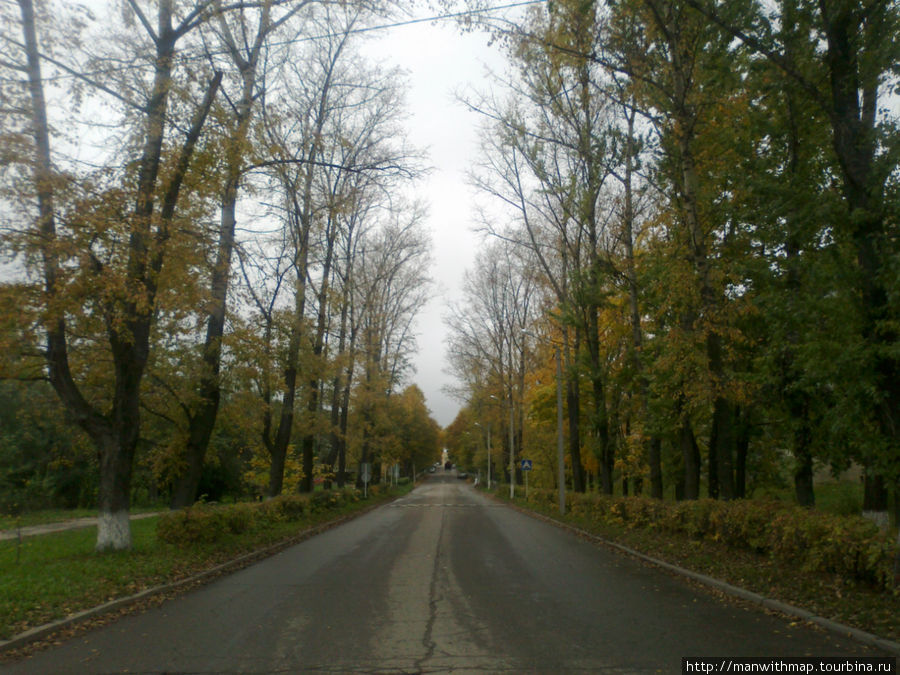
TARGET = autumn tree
(391,285)
(851,72)
(243,40)
(100,264)
(487,336)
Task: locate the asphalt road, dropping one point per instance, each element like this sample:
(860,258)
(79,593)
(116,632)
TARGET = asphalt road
(443,580)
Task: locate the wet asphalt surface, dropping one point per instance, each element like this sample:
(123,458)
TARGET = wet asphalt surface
(442,580)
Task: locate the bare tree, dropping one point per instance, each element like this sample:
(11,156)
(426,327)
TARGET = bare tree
(391,285)
(487,342)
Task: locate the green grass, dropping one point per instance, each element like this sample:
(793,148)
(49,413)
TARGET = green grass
(52,576)
(45,516)
(840,498)
(853,604)
(8,522)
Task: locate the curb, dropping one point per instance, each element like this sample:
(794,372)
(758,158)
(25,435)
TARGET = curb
(40,632)
(834,627)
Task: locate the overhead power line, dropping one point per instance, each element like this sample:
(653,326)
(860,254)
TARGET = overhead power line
(429,19)
(323,36)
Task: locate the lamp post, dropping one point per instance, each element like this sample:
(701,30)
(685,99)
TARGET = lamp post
(489,455)
(512,450)
(477,424)
(560,453)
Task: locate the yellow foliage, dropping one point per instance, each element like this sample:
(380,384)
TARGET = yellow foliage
(258,473)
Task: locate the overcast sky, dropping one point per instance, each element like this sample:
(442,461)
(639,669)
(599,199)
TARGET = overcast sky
(440,61)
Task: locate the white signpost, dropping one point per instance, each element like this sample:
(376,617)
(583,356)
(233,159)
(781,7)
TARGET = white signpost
(526,467)
(365,475)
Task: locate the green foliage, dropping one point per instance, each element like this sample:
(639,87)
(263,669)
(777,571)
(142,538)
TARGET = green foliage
(44,462)
(848,546)
(396,428)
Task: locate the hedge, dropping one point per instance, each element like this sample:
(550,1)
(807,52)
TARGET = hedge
(849,546)
(206,523)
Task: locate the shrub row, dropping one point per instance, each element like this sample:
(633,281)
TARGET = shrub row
(849,546)
(206,523)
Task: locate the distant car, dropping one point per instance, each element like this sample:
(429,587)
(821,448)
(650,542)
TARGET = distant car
(462,475)
(430,469)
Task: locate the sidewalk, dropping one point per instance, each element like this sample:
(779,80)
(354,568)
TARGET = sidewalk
(48,528)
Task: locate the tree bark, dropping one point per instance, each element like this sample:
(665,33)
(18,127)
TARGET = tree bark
(129,317)
(573,413)
(690,454)
(656,479)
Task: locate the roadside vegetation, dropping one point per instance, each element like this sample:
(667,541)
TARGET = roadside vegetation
(841,567)
(49,577)
(153,350)
(691,251)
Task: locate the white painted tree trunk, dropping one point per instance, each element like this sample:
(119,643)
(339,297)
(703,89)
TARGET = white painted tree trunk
(880,518)
(114,531)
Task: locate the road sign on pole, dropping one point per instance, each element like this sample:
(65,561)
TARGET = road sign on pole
(526,467)
(365,475)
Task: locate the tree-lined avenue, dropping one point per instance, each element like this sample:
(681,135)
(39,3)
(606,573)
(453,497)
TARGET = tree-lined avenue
(441,580)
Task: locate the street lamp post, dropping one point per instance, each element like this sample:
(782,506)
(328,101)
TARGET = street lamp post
(488,452)
(489,455)
(560,453)
(512,450)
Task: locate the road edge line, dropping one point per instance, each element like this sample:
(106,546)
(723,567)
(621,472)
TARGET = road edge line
(830,625)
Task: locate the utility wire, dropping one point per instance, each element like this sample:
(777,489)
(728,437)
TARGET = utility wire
(323,36)
(427,19)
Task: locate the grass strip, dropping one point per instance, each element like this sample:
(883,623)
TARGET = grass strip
(48,516)
(53,576)
(829,596)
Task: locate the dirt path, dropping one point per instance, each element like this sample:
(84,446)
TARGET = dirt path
(48,528)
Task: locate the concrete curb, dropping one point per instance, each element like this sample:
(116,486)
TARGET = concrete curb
(724,587)
(40,632)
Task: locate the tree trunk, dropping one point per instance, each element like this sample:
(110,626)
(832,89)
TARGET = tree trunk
(656,479)
(114,494)
(875,499)
(802,449)
(712,464)
(209,388)
(723,421)
(129,315)
(803,477)
(573,407)
(202,422)
(312,407)
(690,454)
(652,443)
(286,418)
(742,449)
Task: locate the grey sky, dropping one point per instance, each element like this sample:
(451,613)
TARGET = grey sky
(441,61)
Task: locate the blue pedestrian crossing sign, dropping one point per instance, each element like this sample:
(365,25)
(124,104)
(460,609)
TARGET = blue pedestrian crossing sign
(526,465)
